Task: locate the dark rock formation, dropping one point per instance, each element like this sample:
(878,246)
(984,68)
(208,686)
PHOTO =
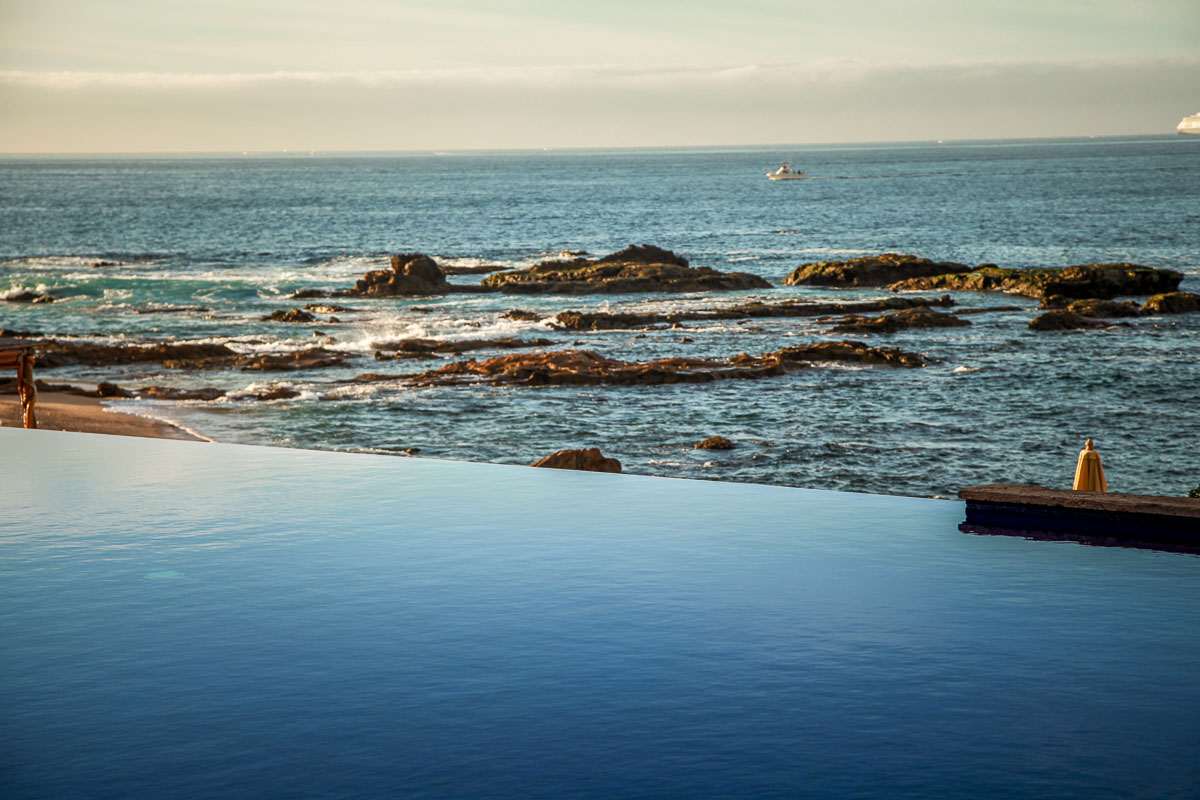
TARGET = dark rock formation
(600,321)
(1172,303)
(1104,281)
(591,460)
(989,309)
(714,443)
(310,358)
(405,347)
(635,269)
(328,308)
(411,274)
(276,393)
(63,354)
(870,271)
(307,294)
(172,393)
(900,320)
(1102,309)
(29,296)
(106,389)
(586,368)
(291,315)
(521,315)
(1063,320)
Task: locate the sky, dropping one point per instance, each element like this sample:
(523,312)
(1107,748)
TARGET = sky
(270,75)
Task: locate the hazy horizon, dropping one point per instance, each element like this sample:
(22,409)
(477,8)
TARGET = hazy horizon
(266,76)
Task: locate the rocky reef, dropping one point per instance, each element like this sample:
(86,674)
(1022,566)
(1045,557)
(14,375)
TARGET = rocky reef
(181,356)
(1063,320)
(587,368)
(643,268)
(408,348)
(603,321)
(588,460)
(1102,281)
(882,270)
(899,321)
(1172,303)
(410,274)
(714,443)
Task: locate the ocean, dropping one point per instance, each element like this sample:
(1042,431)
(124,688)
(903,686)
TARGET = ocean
(202,247)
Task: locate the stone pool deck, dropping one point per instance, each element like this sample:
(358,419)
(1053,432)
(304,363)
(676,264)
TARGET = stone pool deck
(1099,518)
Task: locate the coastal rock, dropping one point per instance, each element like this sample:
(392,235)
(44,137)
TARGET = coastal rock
(590,460)
(409,346)
(28,296)
(870,271)
(276,393)
(1103,281)
(410,274)
(184,354)
(106,389)
(635,269)
(587,368)
(1172,303)
(310,358)
(291,315)
(307,294)
(482,269)
(172,393)
(1104,309)
(328,308)
(521,315)
(714,443)
(602,321)
(900,320)
(1063,320)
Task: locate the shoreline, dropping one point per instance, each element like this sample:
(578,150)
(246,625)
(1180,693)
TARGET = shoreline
(61,411)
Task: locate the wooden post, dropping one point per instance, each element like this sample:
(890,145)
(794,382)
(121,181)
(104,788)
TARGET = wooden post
(27,390)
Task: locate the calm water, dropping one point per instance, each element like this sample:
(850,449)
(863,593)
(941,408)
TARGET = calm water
(210,621)
(235,235)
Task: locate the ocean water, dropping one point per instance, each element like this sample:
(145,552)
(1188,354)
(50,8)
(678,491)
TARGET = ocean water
(228,238)
(221,621)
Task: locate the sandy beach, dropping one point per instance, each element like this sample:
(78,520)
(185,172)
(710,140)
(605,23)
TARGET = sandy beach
(60,411)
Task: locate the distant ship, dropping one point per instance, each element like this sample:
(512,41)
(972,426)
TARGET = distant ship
(786,173)
(1189,125)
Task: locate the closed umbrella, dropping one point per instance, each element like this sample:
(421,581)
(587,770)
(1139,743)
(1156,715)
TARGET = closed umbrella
(1089,474)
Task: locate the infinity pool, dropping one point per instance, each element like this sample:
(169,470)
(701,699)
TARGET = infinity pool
(187,620)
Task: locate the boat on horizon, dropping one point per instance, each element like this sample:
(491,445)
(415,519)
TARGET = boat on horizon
(1189,125)
(786,173)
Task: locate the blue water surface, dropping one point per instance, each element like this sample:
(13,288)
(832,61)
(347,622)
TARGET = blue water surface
(201,621)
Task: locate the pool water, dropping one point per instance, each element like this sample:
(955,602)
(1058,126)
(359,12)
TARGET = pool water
(188,619)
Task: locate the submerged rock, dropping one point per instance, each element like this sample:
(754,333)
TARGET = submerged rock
(410,274)
(310,358)
(291,315)
(901,320)
(870,270)
(1063,320)
(328,308)
(521,315)
(106,389)
(590,460)
(714,443)
(1104,281)
(307,294)
(635,269)
(172,393)
(1172,303)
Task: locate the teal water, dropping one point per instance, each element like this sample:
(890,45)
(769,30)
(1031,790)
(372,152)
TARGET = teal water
(190,620)
(227,238)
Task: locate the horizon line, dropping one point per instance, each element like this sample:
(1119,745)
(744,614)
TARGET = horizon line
(306,152)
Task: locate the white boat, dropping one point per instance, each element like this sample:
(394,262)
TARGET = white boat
(786,173)
(1189,125)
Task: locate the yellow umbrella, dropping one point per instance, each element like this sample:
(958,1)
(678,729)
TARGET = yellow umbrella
(1089,474)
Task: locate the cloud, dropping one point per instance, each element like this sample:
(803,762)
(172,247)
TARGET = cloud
(601,105)
(602,75)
